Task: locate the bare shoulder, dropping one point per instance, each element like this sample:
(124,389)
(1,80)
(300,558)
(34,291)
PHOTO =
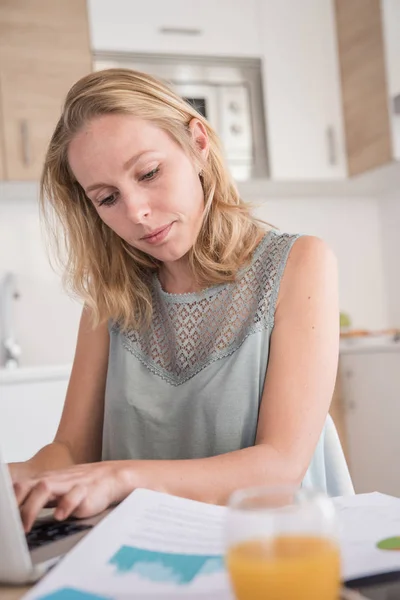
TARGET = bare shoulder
(309,248)
(310,255)
(311,268)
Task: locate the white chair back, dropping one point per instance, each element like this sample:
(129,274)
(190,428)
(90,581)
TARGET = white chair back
(328,469)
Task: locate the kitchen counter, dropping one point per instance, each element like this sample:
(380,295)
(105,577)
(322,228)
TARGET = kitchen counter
(34,374)
(369,344)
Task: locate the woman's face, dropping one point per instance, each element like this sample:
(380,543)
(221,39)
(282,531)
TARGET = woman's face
(141,182)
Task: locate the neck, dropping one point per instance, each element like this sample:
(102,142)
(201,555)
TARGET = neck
(177,278)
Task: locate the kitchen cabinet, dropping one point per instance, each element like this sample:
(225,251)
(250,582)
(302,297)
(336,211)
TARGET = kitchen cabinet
(223,28)
(391,28)
(365,94)
(301,90)
(326,95)
(324,73)
(2,170)
(44,49)
(371,394)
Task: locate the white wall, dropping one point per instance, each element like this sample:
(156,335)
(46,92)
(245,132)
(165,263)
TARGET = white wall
(47,319)
(390,211)
(352,227)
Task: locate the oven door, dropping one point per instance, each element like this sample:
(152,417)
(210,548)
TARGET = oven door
(204,98)
(227,109)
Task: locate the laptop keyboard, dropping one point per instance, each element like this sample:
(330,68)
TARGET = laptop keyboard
(45,532)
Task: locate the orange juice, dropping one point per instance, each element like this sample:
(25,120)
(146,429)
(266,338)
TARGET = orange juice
(285,568)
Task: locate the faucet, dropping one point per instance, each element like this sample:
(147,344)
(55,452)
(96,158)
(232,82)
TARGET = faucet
(10,349)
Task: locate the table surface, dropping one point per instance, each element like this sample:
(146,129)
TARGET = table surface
(12,593)
(8,592)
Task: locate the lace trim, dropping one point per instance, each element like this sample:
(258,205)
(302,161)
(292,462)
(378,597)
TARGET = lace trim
(191,331)
(210,291)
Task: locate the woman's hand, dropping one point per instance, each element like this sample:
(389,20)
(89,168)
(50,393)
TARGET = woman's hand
(21,470)
(82,491)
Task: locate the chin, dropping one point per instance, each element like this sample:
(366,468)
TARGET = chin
(171,252)
(169,256)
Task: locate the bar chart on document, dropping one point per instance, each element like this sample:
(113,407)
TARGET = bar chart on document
(153,566)
(166,550)
(136,567)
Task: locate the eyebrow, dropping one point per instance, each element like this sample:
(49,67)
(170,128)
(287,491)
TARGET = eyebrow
(127,165)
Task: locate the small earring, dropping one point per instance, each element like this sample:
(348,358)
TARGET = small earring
(201,179)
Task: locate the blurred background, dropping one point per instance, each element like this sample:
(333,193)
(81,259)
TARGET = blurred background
(305,95)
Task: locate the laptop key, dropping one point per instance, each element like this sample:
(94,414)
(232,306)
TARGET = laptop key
(49,531)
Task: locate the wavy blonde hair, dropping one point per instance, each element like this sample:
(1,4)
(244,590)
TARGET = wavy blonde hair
(109,275)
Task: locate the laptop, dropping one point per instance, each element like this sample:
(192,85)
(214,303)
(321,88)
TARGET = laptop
(24,558)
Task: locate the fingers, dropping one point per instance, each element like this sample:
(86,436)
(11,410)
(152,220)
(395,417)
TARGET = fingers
(20,470)
(33,502)
(70,502)
(81,491)
(23,488)
(33,495)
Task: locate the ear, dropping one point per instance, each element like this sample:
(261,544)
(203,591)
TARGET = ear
(200,137)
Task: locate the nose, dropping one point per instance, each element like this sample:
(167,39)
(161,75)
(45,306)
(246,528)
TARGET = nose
(137,208)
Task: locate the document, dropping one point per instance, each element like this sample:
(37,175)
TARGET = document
(366,520)
(151,546)
(156,546)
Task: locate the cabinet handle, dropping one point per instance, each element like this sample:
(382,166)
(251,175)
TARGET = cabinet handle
(180,31)
(331,143)
(26,155)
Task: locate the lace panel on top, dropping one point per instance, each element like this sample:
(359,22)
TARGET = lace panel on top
(190,331)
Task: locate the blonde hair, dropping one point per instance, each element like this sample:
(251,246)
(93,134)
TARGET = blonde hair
(112,277)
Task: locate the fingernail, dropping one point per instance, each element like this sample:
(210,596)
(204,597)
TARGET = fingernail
(59,514)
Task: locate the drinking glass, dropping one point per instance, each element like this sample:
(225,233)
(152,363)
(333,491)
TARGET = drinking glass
(282,544)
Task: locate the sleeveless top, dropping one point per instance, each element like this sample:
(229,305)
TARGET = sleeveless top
(191,385)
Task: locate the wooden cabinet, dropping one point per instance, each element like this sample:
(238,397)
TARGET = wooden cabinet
(365,94)
(222,28)
(44,49)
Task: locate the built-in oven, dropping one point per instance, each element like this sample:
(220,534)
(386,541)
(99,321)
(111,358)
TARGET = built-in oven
(228,92)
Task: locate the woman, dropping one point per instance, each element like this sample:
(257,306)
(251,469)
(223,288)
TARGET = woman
(207,348)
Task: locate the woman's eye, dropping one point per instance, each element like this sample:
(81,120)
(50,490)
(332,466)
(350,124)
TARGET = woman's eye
(150,175)
(109,201)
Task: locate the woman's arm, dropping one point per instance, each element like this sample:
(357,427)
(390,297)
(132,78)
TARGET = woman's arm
(78,438)
(298,390)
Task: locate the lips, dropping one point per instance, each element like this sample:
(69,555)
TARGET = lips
(157,236)
(155,232)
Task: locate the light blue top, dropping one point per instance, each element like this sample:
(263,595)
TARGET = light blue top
(191,385)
